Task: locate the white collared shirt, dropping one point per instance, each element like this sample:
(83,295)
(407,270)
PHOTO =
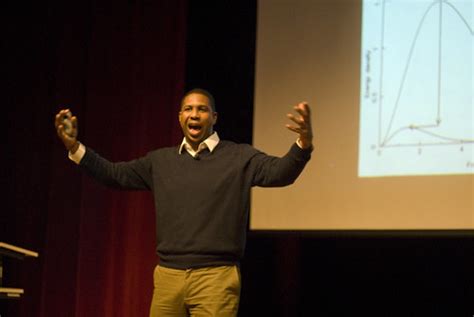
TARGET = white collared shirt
(210,143)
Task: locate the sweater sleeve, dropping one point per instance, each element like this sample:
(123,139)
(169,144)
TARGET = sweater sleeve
(135,174)
(271,171)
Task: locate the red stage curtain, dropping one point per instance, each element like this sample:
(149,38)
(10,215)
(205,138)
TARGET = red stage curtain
(119,66)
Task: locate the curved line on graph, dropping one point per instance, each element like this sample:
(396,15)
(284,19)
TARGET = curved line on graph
(419,129)
(385,142)
(388,137)
(460,16)
(400,130)
(443,137)
(402,84)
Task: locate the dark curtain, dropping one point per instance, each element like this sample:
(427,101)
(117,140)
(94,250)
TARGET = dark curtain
(119,66)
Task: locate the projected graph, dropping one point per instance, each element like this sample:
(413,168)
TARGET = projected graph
(417,115)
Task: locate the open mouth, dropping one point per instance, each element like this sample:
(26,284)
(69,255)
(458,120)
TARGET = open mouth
(194,128)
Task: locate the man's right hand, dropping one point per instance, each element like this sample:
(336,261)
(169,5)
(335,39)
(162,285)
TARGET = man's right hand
(66,128)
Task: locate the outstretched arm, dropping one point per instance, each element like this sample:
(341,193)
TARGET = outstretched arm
(133,174)
(272,171)
(303,125)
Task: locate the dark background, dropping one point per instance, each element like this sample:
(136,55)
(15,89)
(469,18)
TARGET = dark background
(335,273)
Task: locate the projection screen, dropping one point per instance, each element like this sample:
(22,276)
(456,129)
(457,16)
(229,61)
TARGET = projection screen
(391,92)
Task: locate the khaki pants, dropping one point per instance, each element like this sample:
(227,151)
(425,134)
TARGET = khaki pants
(210,291)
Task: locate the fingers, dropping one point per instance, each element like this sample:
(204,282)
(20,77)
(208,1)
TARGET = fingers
(301,129)
(66,127)
(303,124)
(303,119)
(298,121)
(74,122)
(293,128)
(303,109)
(57,119)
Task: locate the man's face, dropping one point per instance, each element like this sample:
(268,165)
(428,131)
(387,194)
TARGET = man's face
(196,118)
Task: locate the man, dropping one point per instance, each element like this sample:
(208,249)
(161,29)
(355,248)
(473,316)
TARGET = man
(202,197)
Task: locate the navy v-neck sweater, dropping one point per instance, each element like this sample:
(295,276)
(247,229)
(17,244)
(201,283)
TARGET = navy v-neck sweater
(202,205)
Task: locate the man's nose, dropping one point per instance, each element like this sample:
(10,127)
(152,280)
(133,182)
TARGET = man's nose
(195,114)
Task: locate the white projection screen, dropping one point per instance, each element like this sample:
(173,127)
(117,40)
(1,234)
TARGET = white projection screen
(391,92)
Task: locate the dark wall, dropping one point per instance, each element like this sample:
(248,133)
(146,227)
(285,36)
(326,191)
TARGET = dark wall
(220,58)
(320,273)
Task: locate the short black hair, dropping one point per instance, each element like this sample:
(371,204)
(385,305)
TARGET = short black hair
(205,93)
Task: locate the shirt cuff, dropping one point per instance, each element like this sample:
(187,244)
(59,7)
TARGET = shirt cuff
(78,155)
(298,142)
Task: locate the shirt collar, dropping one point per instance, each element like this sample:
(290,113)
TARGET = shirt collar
(211,143)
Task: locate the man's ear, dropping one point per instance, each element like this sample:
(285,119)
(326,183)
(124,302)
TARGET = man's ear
(214,116)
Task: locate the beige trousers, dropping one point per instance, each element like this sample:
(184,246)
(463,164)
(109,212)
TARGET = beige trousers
(209,291)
